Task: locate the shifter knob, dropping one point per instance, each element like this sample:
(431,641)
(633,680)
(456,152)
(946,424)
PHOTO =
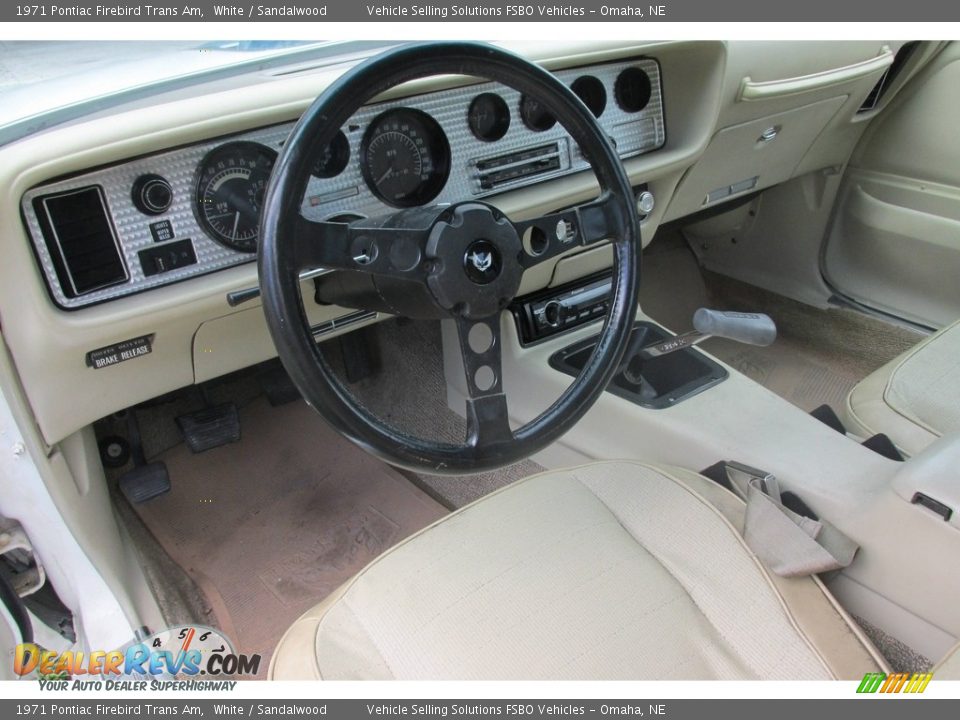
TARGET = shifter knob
(750,328)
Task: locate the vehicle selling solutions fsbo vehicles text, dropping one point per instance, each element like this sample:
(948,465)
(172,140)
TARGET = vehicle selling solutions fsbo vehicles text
(444,11)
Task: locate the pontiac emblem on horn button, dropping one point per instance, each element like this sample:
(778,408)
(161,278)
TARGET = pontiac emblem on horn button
(482,262)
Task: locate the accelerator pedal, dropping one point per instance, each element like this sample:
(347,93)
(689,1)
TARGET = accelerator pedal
(278,386)
(210,427)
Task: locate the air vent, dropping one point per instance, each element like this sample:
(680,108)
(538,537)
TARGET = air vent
(80,237)
(873,99)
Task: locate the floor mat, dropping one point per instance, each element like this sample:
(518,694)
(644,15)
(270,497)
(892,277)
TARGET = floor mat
(271,525)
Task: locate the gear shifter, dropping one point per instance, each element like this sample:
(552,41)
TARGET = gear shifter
(750,328)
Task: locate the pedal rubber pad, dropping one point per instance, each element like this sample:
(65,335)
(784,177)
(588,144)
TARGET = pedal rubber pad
(210,427)
(145,482)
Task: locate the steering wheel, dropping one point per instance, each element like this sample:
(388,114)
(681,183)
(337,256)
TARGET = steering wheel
(462,262)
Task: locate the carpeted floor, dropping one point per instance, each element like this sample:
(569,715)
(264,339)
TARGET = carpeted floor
(269,526)
(409,392)
(819,354)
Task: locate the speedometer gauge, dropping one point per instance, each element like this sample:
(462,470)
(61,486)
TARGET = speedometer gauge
(405,157)
(231,181)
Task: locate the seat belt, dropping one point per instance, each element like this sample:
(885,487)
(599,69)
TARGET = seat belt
(786,542)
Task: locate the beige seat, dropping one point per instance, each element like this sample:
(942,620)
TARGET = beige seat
(613,570)
(915,398)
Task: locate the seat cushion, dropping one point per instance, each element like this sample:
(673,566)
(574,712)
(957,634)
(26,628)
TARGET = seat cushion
(915,398)
(612,570)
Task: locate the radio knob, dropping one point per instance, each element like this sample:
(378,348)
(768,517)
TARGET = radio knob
(553,313)
(152,194)
(646,202)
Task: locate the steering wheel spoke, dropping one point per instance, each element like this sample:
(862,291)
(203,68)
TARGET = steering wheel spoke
(550,235)
(398,252)
(487,416)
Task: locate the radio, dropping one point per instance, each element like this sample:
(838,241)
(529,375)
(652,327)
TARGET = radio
(495,172)
(553,311)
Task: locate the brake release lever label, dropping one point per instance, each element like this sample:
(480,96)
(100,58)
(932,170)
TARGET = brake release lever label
(119,352)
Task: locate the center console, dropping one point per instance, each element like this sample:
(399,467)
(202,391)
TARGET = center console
(664,381)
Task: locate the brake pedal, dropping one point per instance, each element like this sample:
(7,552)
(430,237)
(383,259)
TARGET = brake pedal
(210,427)
(146,480)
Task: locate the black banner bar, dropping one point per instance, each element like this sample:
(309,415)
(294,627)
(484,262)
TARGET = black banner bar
(483,11)
(876,708)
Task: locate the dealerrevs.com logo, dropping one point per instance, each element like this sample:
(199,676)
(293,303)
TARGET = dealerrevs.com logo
(911,683)
(173,659)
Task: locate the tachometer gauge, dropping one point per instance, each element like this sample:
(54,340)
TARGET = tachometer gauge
(231,181)
(405,157)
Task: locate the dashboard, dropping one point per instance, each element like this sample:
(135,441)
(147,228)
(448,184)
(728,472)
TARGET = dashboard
(162,218)
(130,232)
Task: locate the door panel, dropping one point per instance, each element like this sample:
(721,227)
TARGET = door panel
(895,241)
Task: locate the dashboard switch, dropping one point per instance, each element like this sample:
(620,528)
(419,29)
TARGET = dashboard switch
(152,194)
(164,258)
(646,202)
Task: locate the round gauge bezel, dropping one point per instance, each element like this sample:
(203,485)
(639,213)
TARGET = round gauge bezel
(434,142)
(590,89)
(501,115)
(535,116)
(205,174)
(633,89)
(339,149)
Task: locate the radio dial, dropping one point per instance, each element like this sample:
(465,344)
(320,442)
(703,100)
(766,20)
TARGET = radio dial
(553,313)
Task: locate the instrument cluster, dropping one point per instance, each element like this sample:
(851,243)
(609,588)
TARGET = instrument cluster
(190,211)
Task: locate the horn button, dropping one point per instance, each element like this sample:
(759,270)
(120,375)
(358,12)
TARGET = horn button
(478,271)
(482,262)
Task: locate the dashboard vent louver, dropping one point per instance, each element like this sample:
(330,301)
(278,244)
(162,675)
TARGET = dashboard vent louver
(873,99)
(82,242)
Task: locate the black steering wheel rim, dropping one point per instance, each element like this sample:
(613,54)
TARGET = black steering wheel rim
(279,267)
